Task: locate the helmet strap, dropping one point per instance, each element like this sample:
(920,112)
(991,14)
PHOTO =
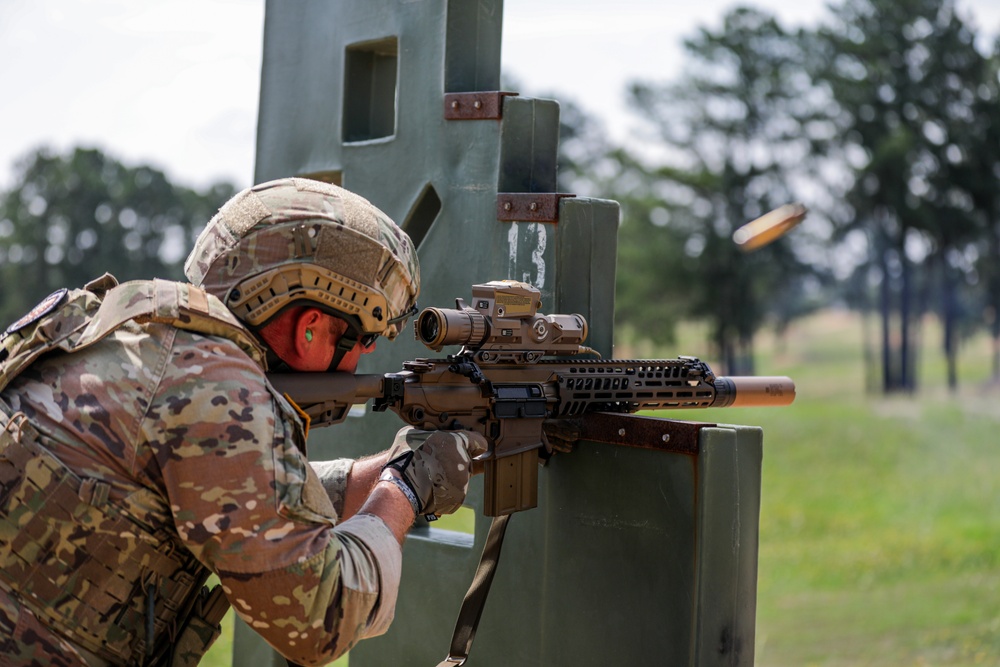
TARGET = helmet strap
(344,345)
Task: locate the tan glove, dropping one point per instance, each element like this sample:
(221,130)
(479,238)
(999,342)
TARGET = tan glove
(436,465)
(558,435)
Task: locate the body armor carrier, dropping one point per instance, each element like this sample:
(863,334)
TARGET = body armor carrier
(123,590)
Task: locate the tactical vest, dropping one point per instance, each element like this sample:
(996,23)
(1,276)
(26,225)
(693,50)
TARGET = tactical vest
(122,590)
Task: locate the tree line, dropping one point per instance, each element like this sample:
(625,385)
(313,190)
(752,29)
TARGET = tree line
(884,119)
(69,218)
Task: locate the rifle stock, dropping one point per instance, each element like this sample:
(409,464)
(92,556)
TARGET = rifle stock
(501,386)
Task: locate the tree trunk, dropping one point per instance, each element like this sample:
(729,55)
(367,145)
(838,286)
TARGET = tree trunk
(885,310)
(907,379)
(996,358)
(950,318)
(868,348)
(994,287)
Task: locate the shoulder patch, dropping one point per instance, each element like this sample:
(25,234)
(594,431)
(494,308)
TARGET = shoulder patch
(46,306)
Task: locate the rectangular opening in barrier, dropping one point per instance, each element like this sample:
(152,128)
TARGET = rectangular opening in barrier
(462,521)
(370,72)
(456,529)
(423,214)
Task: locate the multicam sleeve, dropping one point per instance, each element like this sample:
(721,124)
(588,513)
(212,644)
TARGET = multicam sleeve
(333,475)
(252,509)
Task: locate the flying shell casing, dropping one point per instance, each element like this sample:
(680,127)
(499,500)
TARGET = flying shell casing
(769,227)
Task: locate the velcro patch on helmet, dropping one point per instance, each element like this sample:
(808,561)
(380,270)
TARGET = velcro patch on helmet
(350,254)
(243,212)
(310,185)
(359,214)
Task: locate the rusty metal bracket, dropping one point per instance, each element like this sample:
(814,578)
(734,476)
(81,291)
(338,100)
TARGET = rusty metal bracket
(484,105)
(529,206)
(665,435)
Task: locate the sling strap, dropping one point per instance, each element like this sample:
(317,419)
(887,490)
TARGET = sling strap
(475,598)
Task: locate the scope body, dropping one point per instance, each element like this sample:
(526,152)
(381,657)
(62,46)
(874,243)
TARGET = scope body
(503,324)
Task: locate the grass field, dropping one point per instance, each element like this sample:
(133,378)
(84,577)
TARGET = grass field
(879,529)
(879,526)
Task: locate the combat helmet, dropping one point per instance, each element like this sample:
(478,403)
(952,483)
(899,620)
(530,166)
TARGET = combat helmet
(304,242)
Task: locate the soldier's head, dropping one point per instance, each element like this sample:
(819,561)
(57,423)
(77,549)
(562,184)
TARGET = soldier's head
(298,260)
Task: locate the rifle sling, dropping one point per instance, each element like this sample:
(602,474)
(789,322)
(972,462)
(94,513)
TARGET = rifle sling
(475,598)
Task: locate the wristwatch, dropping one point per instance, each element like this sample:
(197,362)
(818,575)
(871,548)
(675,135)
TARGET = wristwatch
(392,476)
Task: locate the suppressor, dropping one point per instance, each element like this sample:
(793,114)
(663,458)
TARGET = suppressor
(753,391)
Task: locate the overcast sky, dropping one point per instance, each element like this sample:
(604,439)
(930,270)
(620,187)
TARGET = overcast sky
(175,83)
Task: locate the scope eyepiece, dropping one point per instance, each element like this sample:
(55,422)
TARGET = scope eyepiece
(428,327)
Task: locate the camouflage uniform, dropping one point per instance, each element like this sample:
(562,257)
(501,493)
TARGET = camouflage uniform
(179,432)
(186,434)
(142,451)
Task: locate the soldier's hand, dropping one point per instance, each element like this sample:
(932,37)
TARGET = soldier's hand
(436,465)
(559,435)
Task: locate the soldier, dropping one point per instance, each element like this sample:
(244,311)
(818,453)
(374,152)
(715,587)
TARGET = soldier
(143,448)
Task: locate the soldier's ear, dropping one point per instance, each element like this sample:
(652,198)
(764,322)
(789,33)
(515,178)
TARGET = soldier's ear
(285,335)
(312,340)
(306,330)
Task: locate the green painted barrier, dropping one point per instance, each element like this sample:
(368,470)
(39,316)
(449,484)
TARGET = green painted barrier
(634,556)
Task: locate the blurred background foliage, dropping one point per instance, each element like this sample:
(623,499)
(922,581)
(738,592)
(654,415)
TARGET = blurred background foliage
(70,218)
(884,120)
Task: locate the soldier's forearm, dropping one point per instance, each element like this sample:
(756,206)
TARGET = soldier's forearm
(388,503)
(360,482)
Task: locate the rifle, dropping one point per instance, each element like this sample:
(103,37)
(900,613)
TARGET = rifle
(515,370)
